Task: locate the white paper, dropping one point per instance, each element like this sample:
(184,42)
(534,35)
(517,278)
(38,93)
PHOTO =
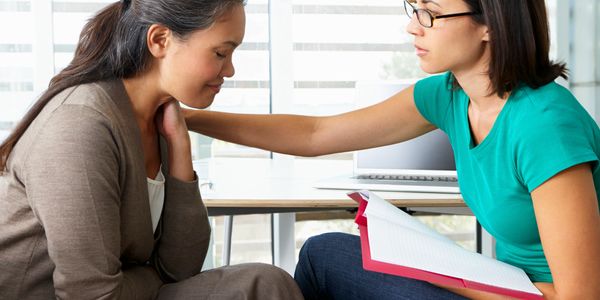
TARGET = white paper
(397,238)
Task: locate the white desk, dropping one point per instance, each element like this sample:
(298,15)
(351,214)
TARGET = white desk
(251,185)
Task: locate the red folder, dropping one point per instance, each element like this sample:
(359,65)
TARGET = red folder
(398,270)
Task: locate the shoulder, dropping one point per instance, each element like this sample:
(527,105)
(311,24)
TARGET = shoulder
(550,107)
(551,120)
(104,97)
(86,117)
(77,110)
(433,98)
(84,107)
(548,99)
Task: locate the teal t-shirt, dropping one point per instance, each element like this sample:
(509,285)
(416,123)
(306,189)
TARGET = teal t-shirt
(538,133)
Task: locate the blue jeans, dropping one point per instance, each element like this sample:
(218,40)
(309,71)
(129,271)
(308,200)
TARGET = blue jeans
(330,267)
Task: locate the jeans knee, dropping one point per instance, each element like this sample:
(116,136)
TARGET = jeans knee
(320,245)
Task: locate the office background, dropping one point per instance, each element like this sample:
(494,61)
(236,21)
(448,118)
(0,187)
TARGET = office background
(299,56)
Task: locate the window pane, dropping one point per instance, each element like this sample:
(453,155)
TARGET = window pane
(337,43)
(551,6)
(16,62)
(69,17)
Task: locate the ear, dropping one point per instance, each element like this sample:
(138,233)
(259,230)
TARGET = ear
(486,34)
(158,39)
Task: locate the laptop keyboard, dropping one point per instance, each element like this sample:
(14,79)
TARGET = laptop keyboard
(394,183)
(404,178)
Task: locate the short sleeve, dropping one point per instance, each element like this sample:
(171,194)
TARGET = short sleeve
(554,141)
(433,96)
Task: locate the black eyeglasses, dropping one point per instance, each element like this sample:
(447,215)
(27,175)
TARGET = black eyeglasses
(425,17)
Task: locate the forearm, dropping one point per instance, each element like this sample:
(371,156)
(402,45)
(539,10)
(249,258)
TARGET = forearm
(474,294)
(289,134)
(180,158)
(185,232)
(547,290)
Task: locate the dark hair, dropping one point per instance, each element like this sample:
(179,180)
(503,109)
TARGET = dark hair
(519,43)
(113,45)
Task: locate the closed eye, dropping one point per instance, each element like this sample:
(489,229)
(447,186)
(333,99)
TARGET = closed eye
(433,13)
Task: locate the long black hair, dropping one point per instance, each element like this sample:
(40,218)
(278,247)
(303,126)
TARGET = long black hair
(519,43)
(113,45)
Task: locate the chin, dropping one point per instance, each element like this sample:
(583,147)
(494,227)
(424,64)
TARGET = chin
(199,104)
(431,69)
(203,105)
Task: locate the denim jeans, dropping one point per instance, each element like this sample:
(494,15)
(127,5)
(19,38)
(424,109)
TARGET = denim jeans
(330,267)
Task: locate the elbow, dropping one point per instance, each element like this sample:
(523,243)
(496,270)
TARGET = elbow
(314,144)
(310,152)
(577,293)
(306,148)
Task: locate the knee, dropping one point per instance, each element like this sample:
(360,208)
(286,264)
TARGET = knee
(322,245)
(271,280)
(266,270)
(265,273)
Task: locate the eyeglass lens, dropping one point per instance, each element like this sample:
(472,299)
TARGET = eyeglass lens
(423,16)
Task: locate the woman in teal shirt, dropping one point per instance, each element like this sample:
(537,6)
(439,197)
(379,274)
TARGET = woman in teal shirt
(526,151)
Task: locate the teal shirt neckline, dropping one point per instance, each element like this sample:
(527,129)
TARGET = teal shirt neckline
(538,133)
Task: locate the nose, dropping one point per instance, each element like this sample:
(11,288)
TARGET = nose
(414,27)
(228,68)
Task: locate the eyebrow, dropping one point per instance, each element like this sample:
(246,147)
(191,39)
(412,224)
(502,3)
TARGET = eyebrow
(431,1)
(231,43)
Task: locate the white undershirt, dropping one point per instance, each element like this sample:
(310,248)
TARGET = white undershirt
(156,195)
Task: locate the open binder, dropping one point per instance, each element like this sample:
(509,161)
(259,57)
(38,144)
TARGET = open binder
(402,246)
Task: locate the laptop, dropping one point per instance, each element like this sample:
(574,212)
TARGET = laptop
(423,164)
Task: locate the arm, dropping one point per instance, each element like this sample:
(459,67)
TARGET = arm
(184,227)
(185,231)
(71,179)
(566,209)
(391,121)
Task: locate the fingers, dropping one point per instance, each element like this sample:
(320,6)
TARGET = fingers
(170,121)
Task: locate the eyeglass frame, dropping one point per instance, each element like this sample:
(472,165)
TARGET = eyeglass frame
(431,16)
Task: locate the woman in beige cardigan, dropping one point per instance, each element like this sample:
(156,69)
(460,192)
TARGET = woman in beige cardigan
(98,198)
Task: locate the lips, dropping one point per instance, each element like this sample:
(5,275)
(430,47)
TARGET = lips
(215,87)
(420,51)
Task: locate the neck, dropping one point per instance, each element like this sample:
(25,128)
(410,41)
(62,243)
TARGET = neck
(476,83)
(145,98)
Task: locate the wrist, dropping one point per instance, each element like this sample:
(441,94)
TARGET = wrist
(180,160)
(181,142)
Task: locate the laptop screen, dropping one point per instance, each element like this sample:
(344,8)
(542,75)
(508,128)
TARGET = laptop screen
(430,153)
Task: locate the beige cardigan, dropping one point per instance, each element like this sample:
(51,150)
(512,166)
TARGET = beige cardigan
(74,212)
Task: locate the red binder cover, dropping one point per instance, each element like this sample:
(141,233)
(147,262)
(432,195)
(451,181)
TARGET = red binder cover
(398,270)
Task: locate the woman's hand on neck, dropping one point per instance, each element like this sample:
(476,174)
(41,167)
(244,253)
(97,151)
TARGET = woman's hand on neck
(157,112)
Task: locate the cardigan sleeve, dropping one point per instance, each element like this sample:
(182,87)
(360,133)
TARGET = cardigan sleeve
(184,228)
(71,179)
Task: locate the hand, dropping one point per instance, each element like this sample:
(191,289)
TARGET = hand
(187,113)
(171,123)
